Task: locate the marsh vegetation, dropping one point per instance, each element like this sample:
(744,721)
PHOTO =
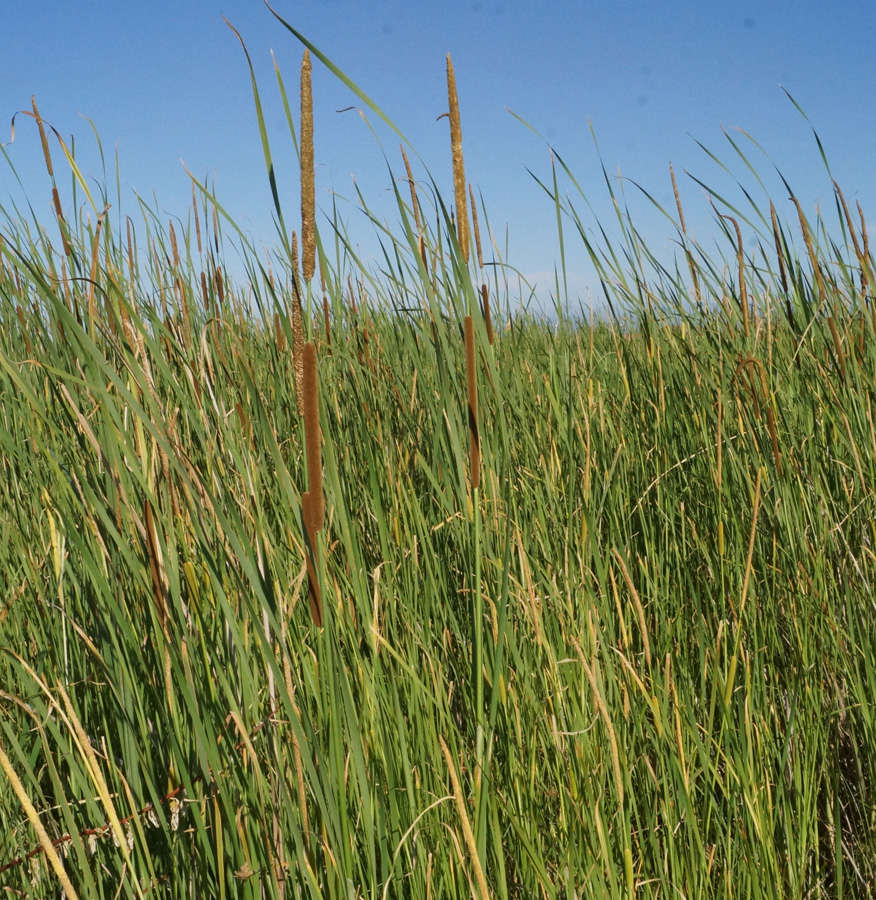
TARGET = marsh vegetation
(342,580)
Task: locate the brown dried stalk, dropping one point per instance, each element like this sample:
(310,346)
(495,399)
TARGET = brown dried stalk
(156,569)
(279,335)
(468,834)
(46,843)
(458,165)
(308,184)
(637,603)
(471,378)
(488,319)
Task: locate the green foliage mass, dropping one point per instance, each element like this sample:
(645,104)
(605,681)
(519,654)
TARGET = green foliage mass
(665,575)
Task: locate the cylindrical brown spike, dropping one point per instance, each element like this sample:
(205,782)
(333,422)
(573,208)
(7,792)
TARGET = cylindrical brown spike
(477,231)
(421,243)
(328,326)
(488,319)
(308,185)
(458,165)
(205,290)
(56,199)
(220,286)
(197,218)
(173,246)
(297,330)
(43,139)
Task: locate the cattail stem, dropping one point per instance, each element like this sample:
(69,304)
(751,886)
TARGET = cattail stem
(471,377)
(313,501)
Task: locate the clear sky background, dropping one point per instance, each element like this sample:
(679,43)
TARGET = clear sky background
(168,81)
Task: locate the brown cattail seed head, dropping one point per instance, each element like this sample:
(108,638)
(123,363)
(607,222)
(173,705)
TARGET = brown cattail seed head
(488,318)
(308,186)
(458,166)
(43,139)
(477,231)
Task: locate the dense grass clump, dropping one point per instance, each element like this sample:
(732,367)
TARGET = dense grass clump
(579,608)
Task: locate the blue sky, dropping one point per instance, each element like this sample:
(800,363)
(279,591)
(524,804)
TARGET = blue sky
(168,81)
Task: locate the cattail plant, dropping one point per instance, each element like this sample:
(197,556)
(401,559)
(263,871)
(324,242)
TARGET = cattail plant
(458,164)
(43,139)
(297,330)
(308,185)
(325,311)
